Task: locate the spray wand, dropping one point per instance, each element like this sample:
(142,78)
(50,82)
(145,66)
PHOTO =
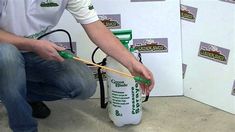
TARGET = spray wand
(125,41)
(138,79)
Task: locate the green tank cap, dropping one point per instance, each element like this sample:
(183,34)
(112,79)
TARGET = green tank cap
(124,36)
(141,80)
(66,55)
(125,44)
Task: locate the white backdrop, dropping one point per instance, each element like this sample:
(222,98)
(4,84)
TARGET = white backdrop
(206,80)
(157,19)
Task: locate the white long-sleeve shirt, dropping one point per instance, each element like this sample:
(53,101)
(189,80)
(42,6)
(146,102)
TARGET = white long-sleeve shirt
(32,18)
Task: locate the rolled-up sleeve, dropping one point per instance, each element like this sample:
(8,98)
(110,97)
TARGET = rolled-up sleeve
(82,10)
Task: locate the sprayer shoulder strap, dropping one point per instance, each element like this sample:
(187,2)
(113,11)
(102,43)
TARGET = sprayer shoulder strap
(101,82)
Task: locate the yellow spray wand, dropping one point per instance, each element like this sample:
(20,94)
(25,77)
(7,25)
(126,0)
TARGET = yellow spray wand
(138,79)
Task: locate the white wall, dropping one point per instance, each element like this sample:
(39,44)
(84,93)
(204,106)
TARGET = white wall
(205,80)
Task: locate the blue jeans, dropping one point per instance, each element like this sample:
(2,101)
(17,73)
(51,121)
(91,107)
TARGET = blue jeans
(25,77)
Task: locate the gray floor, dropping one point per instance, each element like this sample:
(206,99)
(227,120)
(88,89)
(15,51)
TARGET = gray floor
(160,114)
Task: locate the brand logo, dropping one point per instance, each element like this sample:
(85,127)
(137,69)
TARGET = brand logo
(230,1)
(188,13)
(156,45)
(111,21)
(67,46)
(213,52)
(90,7)
(136,99)
(49,3)
(119,83)
(184,67)
(233,89)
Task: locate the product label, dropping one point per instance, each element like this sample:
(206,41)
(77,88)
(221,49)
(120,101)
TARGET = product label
(233,89)
(124,98)
(184,67)
(119,98)
(111,21)
(136,99)
(213,52)
(67,45)
(188,13)
(119,83)
(151,45)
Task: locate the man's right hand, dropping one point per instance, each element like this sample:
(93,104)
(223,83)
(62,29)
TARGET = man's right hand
(47,50)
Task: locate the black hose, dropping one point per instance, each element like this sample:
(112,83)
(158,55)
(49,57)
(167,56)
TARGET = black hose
(60,30)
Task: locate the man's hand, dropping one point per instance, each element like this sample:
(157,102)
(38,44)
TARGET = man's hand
(138,69)
(47,50)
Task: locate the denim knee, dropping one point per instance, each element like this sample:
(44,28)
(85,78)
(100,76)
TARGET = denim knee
(89,89)
(84,89)
(10,56)
(12,73)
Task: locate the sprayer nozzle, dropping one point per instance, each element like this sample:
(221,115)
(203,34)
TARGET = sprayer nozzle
(142,80)
(66,55)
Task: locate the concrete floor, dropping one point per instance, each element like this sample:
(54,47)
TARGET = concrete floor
(160,114)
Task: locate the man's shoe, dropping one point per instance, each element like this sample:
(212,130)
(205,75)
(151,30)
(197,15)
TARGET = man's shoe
(39,110)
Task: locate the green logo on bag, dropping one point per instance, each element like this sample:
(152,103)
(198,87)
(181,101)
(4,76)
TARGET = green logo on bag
(90,7)
(48,3)
(119,83)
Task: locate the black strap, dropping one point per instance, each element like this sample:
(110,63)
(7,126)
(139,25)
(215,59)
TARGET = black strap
(101,82)
(103,104)
(147,96)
